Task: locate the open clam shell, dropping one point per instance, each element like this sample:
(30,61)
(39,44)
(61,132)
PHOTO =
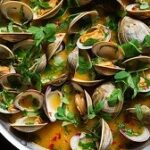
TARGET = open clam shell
(28,124)
(48,13)
(134,10)
(5,53)
(6,70)
(144,136)
(83,101)
(11,82)
(52,102)
(102,93)
(137,63)
(29,100)
(18,12)
(108,50)
(145,110)
(56,46)
(98,32)
(107,70)
(75,25)
(130,29)
(104,142)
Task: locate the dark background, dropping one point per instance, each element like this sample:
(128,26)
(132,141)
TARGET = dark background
(5,144)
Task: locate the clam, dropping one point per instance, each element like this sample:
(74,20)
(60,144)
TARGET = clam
(56,46)
(81,78)
(108,50)
(18,34)
(7,104)
(83,2)
(130,29)
(134,10)
(53,100)
(78,23)
(18,12)
(106,67)
(142,85)
(29,100)
(138,63)
(103,93)
(103,143)
(5,53)
(54,7)
(26,45)
(144,136)
(6,70)
(11,82)
(83,101)
(97,33)
(145,110)
(28,124)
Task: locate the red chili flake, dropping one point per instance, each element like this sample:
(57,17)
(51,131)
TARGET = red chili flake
(51,146)
(56,137)
(114,142)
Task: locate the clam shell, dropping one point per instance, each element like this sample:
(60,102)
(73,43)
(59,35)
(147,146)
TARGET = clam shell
(55,47)
(13,78)
(22,127)
(102,93)
(108,50)
(141,14)
(49,14)
(74,28)
(106,136)
(11,7)
(5,52)
(140,138)
(137,63)
(107,70)
(130,29)
(35,94)
(50,98)
(99,26)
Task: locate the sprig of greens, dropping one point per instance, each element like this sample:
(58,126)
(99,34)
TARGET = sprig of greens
(37,4)
(112,23)
(128,80)
(43,34)
(90,42)
(66,116)
(138,111)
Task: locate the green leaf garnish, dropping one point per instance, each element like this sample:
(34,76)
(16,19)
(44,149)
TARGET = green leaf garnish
(138,111)
(90,42)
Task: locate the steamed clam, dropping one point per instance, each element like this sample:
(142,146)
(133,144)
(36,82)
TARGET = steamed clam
(76,25)
(53,100)
(18,12)
(29,100)
(103,142)
(16,34)
(136,137)
(7,103)
(93,35)
(130,29)
(28,124)
(145,111)
(104,93)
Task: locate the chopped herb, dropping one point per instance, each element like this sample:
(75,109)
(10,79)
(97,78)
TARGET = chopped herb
(90,42)
(43,34)
(29,113)
(99,106)
(91,113)
(65,115)
(146,42)
(144,6)
(40,4)
(87,145)
(112,23)
(138,111)
(84,65)
(115,97)
(65,100)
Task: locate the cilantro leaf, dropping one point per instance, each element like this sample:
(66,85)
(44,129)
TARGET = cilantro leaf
(138,111)
(112,23)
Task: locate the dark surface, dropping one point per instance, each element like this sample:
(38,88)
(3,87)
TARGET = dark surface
(4,144)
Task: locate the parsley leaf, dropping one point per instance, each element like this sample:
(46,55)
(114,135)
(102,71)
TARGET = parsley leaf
(138,111)
(112,23)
